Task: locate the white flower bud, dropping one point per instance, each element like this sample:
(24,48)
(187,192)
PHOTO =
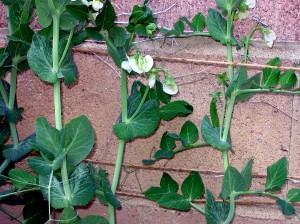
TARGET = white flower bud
(169,86)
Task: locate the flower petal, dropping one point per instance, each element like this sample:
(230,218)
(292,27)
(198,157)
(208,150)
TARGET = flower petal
(251,3)
(151,80)
(126,65)
(149,63)
(170,89)
(134,65)
(97,5)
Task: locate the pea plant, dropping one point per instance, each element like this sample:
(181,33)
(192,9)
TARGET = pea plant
(235,87)
(58,178)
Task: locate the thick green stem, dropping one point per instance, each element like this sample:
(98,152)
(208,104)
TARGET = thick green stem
(242,91)
(57,105)
(247,43)
(65,179)
(4,165)
(197,208)
(225,160)
(197,34)
(229,44)
(141,104)
(114,185)
(13,216)
(231,210)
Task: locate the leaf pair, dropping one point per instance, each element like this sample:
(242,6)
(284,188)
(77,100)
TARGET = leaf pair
(166,195)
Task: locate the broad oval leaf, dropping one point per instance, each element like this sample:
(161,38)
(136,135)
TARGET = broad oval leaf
(211,135)
(276,175)
(189,133)
(288,80)
(217,26)
(39,165)
(232,182)
(106,19)
(80,139)
(144,124)
(163,154)
(192,187)
(155,193)
(167,142)
(168,184)
(68,216)
(247,175)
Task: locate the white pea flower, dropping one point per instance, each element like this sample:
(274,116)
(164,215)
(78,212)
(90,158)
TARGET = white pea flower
(250,3)
(126,66)
(269,36)
(243,14)
(140,64)
(86,3)
(152,77)
(97,5)
(170,86)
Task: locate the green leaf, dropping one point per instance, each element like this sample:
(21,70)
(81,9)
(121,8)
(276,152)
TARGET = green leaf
(179,27)
(148,161)
(286,208)
(82,186)
(24,147)
(79,12)
(106,19)
(247,175)
(250,83)
(211,135)
(217,26)
(288,80)
(47,137)
(192,187)
(109,195)
(276,175)
(144,124)
(197,24)
(69,216)
(215,212)
(118,35)
(271,76)
(44,12)
(167,142)
(93,219)
(226,5)
(214,113)
(155,193)
(3,58)
(174,201)
(57,196)
(163,154)
(178,108)
(39,165)
(40,61)
(232,182)
(21,179)
(80,135)
(293,195)
(19,13)
(189,133)
(168,184)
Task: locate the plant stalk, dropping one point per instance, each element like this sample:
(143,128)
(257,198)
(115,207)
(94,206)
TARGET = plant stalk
(231,210)
(229,45)
(197,208)
(114,185)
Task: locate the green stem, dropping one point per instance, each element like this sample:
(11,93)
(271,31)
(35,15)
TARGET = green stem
(13,216)
(197,208)
(114,185)
(19,192)
(202,34)
(111,209)
(66,50)
(229,45)
(191,146)
(225,160)
(140,105)
(92,18)
(65,179)
(247,43)
(49,193)
(4,165)
(242,91)
(231,210)
(10,29)
(13,85)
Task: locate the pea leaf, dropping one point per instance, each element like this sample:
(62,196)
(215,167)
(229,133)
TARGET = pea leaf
(14,154)
(175,201)
(214,113)
(178,108)
(197,24)
(211,135)
(286,208)
(80,139)
(40,61)
(276,175)
(167,142)
(79,12)
(106,19)
(192,187)
(39,166)
(163,154)
(288,80)
(294,195)
(154,193)
(217,26)
(215,212)
(232,182)
(21,179)
(168,184)
(118,35)
(271,76)
(189,133)
(144,124)
(247,175)
(68,216)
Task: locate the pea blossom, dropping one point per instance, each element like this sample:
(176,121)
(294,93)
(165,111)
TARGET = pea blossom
(96,4)
(169,86)
(244,8)
(152,77)
(138,63)
(269,36)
